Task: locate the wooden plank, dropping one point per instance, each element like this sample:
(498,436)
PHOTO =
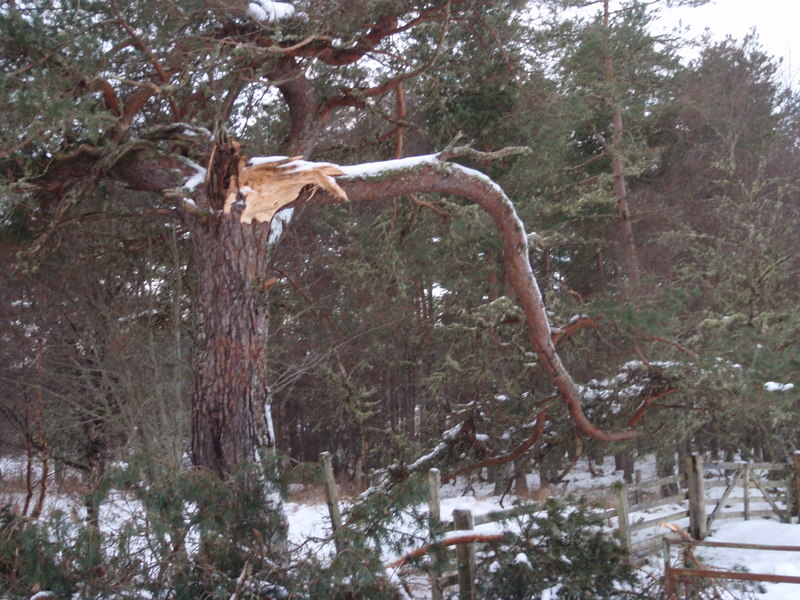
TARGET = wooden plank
(724,497)
(660,502)
(730,466)
(740,545)
(651,483)
(784,517)
(709,574)
(739,514)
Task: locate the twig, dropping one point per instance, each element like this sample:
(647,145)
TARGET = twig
(468,152)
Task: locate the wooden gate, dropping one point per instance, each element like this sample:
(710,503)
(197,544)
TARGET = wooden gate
(751,476)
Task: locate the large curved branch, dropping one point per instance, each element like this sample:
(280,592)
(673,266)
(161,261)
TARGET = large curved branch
(430,174)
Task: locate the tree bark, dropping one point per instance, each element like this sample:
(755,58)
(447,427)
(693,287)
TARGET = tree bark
(231,396)
(626,239)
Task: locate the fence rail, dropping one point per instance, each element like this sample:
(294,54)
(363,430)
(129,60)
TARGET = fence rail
(673,575)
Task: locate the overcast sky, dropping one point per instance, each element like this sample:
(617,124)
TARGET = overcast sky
(776,21)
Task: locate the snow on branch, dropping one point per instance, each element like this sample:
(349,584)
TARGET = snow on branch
(774,386)
(270,12)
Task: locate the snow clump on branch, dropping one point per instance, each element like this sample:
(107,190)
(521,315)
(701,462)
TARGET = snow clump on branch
(269,11)
(774,386)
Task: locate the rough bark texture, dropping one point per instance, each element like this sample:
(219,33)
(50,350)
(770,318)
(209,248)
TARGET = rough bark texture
(229,425)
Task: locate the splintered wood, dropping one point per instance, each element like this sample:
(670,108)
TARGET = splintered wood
(268,187)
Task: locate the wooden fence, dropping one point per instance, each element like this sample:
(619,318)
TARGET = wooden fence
(693,493)
(625,506)
(673,575)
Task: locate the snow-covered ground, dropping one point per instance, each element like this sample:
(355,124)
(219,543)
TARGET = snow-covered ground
(309,524)
(762,532)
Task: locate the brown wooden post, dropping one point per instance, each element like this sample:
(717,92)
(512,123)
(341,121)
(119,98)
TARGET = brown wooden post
(465,553)
(623,524)
(746,490)
(332,498)
(435,527)
(697,499)
(668,584)
(796,465)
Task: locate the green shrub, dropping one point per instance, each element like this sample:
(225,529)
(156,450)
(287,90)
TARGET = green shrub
(561,549)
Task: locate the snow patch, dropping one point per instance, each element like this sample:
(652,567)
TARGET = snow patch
(376,169)
(278,225)
(269,11)
(197,178)
(774,386)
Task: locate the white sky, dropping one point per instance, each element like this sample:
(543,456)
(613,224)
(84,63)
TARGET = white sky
(775,21)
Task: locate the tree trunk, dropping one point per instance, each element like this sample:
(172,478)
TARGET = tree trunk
(230,407)
(618,169)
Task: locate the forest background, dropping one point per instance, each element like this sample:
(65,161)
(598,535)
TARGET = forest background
(660,197)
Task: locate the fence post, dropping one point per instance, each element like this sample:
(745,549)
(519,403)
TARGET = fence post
(332,499)
(465,553)
(746,490)
(435,528)
(668,585)
(623,523)
(697,497)
(796,465)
